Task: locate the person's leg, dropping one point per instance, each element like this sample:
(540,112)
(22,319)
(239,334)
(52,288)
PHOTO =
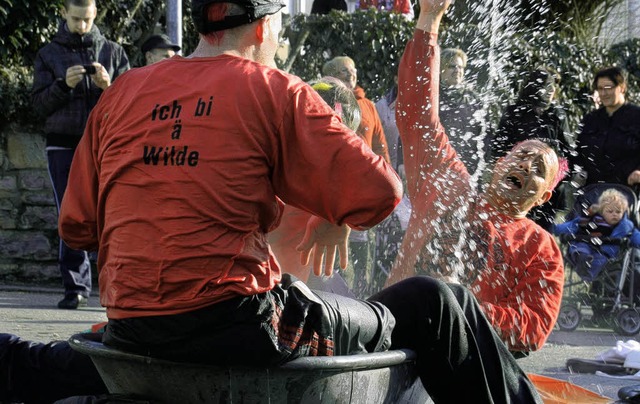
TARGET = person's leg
(388,237)
(358,326)
(460,358)
(75,267)
(503,372)
(42,373)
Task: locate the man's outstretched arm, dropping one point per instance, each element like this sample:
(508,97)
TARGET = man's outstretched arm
(437,181)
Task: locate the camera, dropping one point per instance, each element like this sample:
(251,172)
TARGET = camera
(91,69)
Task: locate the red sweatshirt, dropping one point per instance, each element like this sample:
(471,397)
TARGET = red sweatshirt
(181,172)
(512,265)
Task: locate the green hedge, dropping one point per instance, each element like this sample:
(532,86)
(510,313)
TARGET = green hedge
(498,58)
(374,40)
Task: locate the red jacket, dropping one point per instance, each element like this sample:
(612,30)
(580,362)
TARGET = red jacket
(398,6)
(512,265)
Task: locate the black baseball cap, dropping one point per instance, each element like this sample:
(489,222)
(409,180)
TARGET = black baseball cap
(255,9)
(158,42)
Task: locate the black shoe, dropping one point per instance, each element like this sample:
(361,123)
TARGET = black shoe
(630,394)
(72,302)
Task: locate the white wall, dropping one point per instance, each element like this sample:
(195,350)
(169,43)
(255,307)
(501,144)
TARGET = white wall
(623,23)
(299,6)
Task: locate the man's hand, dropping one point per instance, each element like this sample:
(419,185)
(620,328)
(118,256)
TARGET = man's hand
(431,12)
(323,237)
(101,77)
(74,75)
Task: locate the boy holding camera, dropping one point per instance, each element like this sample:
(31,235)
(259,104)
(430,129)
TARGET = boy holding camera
(70,74)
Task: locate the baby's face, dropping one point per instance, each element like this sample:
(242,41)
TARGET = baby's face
(612,213)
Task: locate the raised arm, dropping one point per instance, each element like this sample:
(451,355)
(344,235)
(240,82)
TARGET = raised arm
(437,181)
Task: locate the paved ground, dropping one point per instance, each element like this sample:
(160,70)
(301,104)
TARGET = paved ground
(32,313)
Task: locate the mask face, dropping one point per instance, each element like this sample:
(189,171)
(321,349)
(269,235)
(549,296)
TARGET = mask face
(79,19)
(522,178)
(544,96)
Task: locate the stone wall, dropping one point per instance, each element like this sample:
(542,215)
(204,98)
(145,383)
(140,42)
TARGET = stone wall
(28,215)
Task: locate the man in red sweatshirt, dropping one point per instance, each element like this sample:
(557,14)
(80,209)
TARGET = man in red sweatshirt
(177,183)
(512,265)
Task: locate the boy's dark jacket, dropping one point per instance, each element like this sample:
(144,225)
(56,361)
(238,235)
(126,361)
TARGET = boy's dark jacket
(66,110)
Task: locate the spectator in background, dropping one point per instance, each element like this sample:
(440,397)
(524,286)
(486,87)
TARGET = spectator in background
(535,116)
(607,219)
(608,143)
(461,112)
(344,69)
(70,74)
(403,7)
(157,48)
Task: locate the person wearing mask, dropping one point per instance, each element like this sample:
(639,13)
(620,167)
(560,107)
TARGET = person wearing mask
(535,115)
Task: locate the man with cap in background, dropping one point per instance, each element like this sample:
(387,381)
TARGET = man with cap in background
(158,47)
(182,172)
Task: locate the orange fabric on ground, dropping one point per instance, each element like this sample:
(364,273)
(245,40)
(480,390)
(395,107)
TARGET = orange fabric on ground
(556,391)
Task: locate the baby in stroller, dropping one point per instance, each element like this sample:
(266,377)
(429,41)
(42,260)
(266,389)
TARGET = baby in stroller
(605,221)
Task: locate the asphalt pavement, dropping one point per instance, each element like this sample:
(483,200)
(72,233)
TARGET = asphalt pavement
(32,314)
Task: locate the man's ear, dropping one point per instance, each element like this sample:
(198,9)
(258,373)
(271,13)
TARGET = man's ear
(261,28)
(544,197)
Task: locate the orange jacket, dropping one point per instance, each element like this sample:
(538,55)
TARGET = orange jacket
(370,128)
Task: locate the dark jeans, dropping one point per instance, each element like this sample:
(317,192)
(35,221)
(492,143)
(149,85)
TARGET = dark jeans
(460,357)
(32,372)
(75,267)
(268,329)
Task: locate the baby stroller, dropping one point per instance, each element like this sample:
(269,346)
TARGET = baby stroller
(610,294)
